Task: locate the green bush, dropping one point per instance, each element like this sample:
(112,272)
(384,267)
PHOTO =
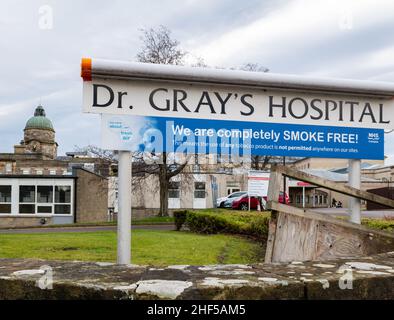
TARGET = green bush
(253,224)
(179,218)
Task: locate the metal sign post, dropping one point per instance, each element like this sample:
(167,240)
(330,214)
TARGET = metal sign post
(124,213)
(354,173)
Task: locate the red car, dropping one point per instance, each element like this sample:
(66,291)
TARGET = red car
(243,203)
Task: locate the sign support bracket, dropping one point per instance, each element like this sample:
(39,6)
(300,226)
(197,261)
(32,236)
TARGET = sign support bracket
(354,173)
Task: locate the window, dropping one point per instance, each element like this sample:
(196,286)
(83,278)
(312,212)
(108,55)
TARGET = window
(27,198)
(62,194)
(8,167)
(52,171)
(237,194)
(199,190)
(45,194)
(174,190)
(40,199)
(44,199)
(5,199)
(62,200)
(26,171)
(62,209)
(27,193)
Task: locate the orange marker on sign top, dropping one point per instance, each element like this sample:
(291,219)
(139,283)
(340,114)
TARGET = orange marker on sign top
(86,69)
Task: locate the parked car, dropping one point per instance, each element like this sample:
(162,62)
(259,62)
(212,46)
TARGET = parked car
(242,203)
(220,202)
(280,199)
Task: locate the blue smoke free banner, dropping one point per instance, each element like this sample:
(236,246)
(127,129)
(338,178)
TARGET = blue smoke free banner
(157,134)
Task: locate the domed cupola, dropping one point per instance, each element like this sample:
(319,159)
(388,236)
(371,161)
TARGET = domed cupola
(39,120)
(39,135)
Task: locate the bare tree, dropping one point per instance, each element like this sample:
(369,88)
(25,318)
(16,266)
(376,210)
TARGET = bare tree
(103,159)
(96,152)
(159,47)
(255,67)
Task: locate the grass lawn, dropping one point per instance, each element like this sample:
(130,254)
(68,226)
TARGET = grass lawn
(148,247)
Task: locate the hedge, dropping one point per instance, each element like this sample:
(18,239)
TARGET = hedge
(179,218)
(253,224)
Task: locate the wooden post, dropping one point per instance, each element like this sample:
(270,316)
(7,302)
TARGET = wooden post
(274,185)
(272,196)
(271,236)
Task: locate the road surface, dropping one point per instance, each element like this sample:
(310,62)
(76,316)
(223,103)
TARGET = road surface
(364,214)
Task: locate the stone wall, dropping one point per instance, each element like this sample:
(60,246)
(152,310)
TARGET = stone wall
(91,197)
(18,222)
(362,278)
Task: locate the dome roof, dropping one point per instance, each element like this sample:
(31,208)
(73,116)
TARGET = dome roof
(39,121)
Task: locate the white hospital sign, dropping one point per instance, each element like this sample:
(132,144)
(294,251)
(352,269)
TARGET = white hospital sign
(155,98)
(258,113)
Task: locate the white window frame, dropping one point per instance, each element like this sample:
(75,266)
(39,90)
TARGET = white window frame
(16,182)
(2,202)
(200,190)
(175,189)
(28,203)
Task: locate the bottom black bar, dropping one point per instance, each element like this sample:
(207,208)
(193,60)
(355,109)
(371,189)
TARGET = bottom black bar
(162,309)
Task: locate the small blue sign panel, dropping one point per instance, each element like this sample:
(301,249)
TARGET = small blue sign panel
(180,135)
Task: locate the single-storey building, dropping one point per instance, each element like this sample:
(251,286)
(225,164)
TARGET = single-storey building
(34,200)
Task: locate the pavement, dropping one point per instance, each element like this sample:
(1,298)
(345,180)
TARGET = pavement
(364,214)
(85,229)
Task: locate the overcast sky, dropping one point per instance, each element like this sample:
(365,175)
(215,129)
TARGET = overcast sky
(345,39)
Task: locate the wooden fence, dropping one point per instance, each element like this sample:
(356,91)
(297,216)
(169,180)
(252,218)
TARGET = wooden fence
(297,234)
